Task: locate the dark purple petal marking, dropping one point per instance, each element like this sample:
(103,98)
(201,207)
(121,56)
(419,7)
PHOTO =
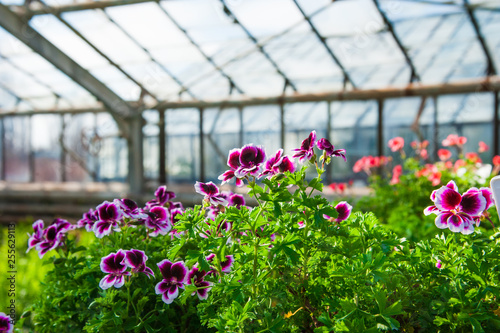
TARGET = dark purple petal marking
(441,220)
(233,160)
(344,210)
(227,264)
(473,203)
(164,267)
(236,200)
(112,263)
(488,195)
(455,223)
(447,198)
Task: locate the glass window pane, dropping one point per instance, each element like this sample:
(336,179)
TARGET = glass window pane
(45,134)
(17,148)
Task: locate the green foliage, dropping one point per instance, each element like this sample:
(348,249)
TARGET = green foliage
(320,275)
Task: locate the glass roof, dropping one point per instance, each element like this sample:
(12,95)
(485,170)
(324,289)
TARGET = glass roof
(188,50)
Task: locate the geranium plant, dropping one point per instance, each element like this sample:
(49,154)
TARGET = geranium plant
(294,262)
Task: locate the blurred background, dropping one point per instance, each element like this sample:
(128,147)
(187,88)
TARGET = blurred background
(100,99)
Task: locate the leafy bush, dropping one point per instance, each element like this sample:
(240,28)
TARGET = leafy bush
(293,263)
(399,196)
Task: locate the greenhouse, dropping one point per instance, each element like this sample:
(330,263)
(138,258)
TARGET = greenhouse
(386,113)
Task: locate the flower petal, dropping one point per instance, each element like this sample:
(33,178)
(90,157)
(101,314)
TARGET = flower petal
(179,271)
(107,281)
(456,222)
(447,198)
(473,203)
(164,267)
(441,220)
(162,287)
(344,210)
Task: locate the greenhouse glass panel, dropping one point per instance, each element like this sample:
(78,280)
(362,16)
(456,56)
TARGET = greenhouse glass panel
(300,120)
(151,148)
(113,160)
(82,145)
(354,128)
(66,40)
(489,21)
(45,135)
(261,126)
(221,129)
(183,145)
(17,149)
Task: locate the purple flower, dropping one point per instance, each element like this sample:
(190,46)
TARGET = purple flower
(243,162)
(329,149)
(343,210)
(50,238)
(136,260)
(251,157)
(278,164)
(454,211)
(236,200)
(438,264)
(174,277)
(233,161)
(129,208)
(88,220)
(196,277)
(37,236)
(110,216)
(113,264)
(211,193)
(227,264)
(162,197)
(5,324)
(302,224)
(159,220)
(306,150)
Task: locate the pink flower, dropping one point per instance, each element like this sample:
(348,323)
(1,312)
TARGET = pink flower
(438,264)
(396,143)
(454,140)
(496,160)
(473,157)
(397,171)
(483,147)
(444,154)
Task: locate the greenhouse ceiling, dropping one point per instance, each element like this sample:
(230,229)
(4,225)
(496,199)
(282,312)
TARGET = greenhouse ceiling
(128,55)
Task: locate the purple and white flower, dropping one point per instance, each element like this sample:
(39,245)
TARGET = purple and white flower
(227,264)
(50,238)
(454,211)
(243,162)
(130,208)
(162,197)
(329,149)
(136,260)
(174,277)
(158,219)
(110,216)
(236,200)
(88,220)
(344,211)
(278,164)
(306,150)
(196,277)
(5,324)
(211,193)
(114,265)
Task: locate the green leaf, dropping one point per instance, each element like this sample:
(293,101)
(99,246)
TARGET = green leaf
(476,326)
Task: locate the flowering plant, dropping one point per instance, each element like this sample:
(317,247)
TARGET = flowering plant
(400,189)
(294,262)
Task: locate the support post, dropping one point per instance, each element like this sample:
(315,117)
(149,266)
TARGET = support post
(380,128)
(282,126)
(162,175)
(135,154)
(62,157)
(435,129)
(202,149)
(496,126)
(329,138)
(240,113)
(4,163)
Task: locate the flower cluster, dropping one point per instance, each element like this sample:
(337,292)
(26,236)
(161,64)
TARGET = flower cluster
(116,264)
(368,163)
(457,212)
(48,239)
(247,161)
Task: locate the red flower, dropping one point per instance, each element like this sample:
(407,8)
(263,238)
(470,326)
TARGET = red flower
(444,154)
(473,157)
